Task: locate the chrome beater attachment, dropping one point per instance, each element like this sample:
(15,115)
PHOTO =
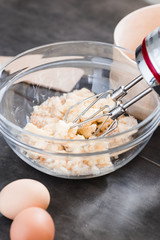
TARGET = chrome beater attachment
(148,61)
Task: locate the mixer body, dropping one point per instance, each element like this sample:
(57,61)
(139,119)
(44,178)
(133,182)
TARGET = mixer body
(148,59)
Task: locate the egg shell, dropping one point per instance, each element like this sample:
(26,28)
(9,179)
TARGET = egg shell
(21,194)
(32,224)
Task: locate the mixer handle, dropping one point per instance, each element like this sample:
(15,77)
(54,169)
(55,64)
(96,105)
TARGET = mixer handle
(148,59)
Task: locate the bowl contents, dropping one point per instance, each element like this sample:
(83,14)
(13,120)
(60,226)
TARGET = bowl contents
(21,194)
(48,120)
(32,223)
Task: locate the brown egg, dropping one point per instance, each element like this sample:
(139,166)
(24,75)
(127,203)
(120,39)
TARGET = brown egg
(32,224)
(21,194)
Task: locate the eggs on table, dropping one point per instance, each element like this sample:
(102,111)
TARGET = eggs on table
(25,201)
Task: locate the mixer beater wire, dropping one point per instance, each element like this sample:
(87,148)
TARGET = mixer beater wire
(113,112)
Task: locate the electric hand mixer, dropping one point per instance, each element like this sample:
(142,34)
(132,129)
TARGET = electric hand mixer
(148,61)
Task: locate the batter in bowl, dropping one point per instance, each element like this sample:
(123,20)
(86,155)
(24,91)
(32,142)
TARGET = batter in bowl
(48,119)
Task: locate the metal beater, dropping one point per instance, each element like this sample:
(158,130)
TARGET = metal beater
(148,61)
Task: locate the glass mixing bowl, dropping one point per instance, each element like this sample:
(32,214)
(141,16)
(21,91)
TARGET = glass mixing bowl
(32,77)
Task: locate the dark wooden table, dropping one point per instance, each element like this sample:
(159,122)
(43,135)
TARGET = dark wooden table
(124,205)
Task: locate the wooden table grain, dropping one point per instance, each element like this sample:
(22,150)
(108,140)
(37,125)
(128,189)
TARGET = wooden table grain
(124,205)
